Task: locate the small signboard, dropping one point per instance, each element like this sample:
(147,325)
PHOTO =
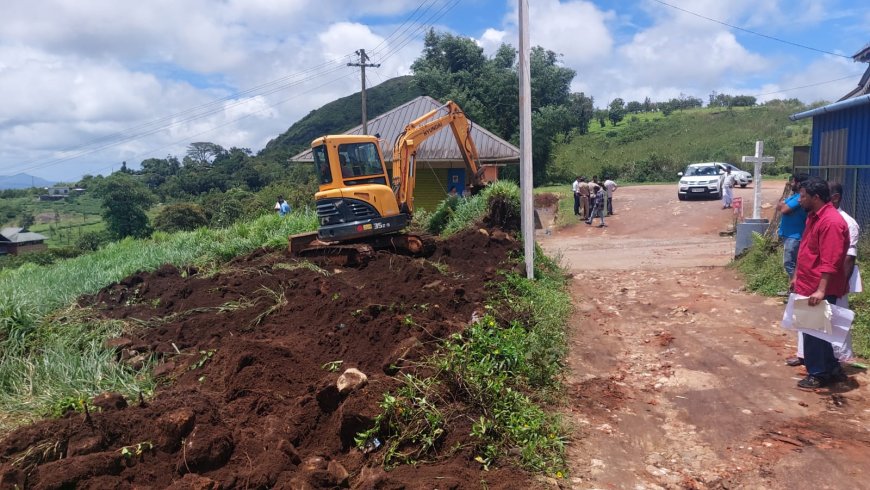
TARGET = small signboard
(737,205)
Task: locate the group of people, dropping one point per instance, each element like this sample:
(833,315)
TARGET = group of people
(820,247)
(282,207)
(593,199)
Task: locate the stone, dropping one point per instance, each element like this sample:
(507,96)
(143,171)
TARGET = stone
(351,380)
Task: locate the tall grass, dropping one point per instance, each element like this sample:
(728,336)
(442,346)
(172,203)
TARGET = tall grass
(45,359)
(470,211)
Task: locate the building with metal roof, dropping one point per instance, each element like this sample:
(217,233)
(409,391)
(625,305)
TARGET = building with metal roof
(840,148)
(14,241)
(440,167)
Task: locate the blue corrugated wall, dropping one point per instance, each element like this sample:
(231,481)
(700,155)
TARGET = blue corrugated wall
(857,120)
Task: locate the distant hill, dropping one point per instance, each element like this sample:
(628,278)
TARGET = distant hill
(653,147)
(340,115)
(22,181)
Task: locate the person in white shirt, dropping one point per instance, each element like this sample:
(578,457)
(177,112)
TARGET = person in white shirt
(575,187)
(610,186)
(727,188)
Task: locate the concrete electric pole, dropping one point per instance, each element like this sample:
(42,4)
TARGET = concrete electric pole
(363,57)
(526,208)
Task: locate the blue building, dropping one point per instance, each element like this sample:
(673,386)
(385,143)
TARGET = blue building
(840,148)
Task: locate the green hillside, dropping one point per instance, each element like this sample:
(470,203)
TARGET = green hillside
(652,147)
(342,114)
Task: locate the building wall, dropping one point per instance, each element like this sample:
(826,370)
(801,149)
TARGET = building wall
(842,138)
(431,185)
(18,249)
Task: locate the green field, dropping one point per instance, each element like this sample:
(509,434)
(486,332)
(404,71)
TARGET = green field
(651,147)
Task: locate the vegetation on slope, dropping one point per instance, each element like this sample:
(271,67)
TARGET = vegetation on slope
(650,147)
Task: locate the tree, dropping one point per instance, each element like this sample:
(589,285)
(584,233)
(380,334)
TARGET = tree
(601,116)
(634,107)
(203,153)
(616,111)
(582,110)
(26,220)
(125,200)
(180,217)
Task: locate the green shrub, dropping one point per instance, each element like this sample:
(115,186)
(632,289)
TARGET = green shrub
(180,217)
(762,266)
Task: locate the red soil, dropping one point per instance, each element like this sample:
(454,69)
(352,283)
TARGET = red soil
(245,400)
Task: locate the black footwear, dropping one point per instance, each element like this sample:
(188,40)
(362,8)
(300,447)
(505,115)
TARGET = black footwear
(794,361)
(811,383)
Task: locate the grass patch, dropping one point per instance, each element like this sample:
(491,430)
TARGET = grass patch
(762,267)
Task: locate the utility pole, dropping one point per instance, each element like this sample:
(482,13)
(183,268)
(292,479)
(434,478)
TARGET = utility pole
(526,208)
(363,57)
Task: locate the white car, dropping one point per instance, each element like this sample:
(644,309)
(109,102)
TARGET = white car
(701,179)
(741,177)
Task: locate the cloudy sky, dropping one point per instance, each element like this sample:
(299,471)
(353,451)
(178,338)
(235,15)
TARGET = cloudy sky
(87,84)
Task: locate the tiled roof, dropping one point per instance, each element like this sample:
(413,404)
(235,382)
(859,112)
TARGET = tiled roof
(18,235)
(441,147)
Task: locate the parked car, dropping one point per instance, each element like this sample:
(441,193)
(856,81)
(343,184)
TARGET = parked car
(742,177)
(701,179)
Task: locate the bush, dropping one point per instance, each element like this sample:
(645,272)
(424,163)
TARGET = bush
(762,266)
(90,241)
(180,217)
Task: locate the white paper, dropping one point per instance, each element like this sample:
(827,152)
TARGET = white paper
(799,315)
(840,320)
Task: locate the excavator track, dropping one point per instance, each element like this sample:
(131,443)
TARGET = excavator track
(359,252)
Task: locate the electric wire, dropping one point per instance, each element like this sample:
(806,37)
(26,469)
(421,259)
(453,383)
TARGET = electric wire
(751,32)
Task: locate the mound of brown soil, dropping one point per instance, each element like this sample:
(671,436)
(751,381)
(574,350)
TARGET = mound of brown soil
(250,359)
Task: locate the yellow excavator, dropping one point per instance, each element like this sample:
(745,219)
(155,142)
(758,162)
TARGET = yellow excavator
(359,207)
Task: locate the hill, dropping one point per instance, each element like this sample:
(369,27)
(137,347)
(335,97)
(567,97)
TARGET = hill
(652,147)
(342,114)
(22,181)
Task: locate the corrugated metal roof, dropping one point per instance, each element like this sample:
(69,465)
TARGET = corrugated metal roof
(440,147)
(18,235)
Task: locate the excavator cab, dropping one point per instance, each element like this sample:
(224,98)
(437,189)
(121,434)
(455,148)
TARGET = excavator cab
(355,199)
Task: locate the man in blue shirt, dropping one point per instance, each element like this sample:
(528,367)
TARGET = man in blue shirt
(283,207)
(791,225)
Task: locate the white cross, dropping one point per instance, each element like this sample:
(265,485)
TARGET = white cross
(758,159)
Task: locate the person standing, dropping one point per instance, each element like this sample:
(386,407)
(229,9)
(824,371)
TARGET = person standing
(611,187)
(820,275)
(791,224)
(727,189)
(283,207)
(584,197)
(850,267)
(575,188)
(598,206)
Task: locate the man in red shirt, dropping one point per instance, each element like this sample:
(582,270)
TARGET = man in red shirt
(820,274)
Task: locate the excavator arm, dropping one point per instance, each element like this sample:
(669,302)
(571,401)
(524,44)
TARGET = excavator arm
(418,131)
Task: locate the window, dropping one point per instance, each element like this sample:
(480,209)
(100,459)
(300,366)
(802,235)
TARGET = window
(359,160)
(321,165)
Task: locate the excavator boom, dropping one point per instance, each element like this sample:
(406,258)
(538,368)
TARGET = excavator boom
(357,209)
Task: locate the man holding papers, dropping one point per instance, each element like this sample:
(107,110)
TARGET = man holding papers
(820,275)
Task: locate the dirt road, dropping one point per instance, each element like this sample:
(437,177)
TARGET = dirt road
(676,375)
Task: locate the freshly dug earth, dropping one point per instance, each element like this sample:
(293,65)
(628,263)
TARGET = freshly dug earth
(249,359)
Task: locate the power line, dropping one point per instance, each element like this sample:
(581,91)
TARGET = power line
(751,32)
(430,21)
(805,86)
